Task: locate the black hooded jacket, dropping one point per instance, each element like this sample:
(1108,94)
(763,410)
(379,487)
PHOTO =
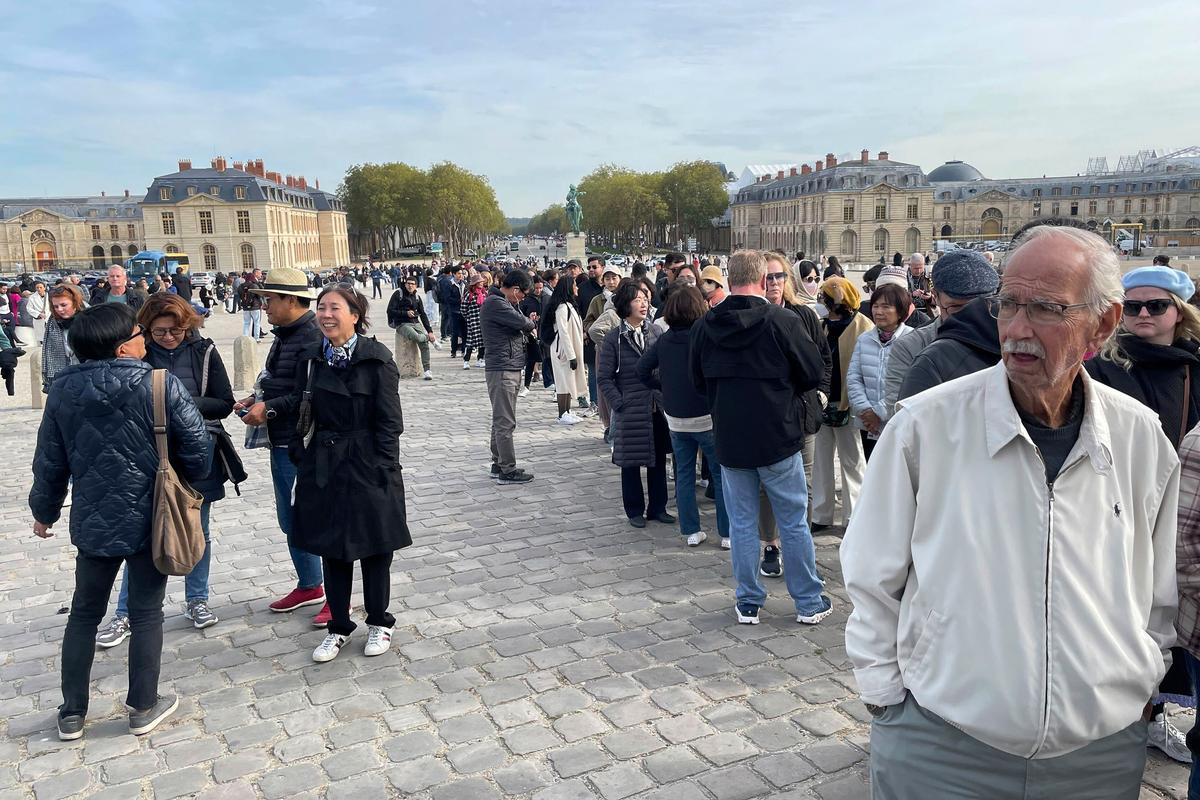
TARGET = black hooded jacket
(967,342)
(1156,379)
(754,361)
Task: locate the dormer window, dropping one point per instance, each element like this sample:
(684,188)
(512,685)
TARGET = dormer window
(164,193)
(191,191)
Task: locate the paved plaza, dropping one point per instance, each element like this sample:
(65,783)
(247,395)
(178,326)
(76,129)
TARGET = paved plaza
(543,648)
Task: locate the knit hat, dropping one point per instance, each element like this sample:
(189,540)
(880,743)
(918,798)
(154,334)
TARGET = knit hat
(892,274)
(713,274)
(1174,281)
(842,292)
(965,273)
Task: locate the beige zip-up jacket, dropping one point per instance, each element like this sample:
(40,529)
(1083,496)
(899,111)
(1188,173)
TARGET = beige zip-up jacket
(1034,617)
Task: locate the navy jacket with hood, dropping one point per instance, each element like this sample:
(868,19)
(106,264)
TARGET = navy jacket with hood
(755,361)
(967,342)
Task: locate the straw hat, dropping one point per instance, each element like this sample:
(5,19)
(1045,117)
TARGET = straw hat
(285,280)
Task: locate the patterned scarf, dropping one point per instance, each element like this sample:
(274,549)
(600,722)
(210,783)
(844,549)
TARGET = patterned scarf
(339,357)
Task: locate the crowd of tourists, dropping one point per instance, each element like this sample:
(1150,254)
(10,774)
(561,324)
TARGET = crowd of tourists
(1015,458)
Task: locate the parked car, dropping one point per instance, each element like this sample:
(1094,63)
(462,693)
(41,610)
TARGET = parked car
(202,279)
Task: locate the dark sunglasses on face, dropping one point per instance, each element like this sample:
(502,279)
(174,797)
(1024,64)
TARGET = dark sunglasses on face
(1157,308)
(777,276)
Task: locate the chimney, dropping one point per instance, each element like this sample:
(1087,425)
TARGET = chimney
(185,164)
(830,160)
(303,184)
(258,168)
(219,163)
(239,166)
(318,184)
(883,155)
(779,175)
(127,193)
(819,166)
(805,169)
(289,181)
(793,172)
(866,156)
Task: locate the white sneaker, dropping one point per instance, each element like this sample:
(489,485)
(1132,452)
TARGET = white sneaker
(466,365)
(328,649)
(428,375)
(1167,738)
(552,389)
(479,363)
(725,545)
(524,391)
(437,345)
(379,640)
(696,539)
(568,419)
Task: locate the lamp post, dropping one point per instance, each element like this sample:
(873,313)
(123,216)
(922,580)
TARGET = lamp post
(23,264)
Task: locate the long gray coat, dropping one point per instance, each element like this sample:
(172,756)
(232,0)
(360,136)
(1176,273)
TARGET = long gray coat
(631,403)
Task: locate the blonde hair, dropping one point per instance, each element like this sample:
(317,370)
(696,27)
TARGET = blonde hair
(790,294)
(1188,327)
(747,268)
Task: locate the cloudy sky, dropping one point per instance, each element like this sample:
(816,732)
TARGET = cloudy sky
(104,95)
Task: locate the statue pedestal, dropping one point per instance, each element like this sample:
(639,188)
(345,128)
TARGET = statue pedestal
(577,247)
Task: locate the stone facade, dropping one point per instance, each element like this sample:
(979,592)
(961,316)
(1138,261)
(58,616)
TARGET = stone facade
(78,232)
(871,207)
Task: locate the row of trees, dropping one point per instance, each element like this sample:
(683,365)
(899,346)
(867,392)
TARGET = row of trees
(395,204)
(624,207)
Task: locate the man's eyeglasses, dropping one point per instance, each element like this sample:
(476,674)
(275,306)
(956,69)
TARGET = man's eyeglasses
(1039,312)
(162,333)
(778,277)
(1158,307)
(137,331)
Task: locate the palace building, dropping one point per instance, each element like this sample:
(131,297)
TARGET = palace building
(867,207)
(46,232)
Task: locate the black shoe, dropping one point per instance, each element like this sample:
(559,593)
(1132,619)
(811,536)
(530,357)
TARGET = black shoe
(770,566)
(142,722)
(817,527)
(70,727)
(664,518)
(516,476)
(711,491)
(637,522)
(495,473)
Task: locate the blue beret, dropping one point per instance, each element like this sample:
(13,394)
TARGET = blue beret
(1172,280)
(965,273)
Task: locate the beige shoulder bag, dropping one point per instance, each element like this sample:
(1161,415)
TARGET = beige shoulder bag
(176,537)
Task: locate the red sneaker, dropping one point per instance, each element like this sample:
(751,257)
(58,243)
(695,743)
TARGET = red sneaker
(323,616)
(300,597)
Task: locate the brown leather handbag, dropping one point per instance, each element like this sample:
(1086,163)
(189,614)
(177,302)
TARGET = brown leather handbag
(176,536)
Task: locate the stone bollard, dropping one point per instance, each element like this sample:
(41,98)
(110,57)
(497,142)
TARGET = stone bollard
(36,398)
(245,363)
(408,357)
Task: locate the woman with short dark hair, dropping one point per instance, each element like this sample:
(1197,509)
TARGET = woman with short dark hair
(98,433)
(866,376)
(640,433)
(349,498)
(665,366)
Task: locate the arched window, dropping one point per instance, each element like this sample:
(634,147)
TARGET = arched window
(881,240)
(115,252)
(1192,223)
(133,251)
(947,231)
(247,251)
(912,240)
(849,243)
(171,248)
(1154,225)
(210,256)
(98,261)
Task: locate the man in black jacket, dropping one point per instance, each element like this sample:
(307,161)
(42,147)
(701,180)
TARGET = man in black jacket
(754,362)
(182,283)
(286,295)
(504,329)
(588,290)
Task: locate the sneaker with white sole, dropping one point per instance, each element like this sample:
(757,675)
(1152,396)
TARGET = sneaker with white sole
(115,632)
(814,618)
(552,389)
(466,365)
(746,614)
(524,390)
(696,539)
(771,566)
(1170,740)
(725,544)
(142,722)
(200,614)
(568,419)
(379,640)
(329,649)
(428,375)
(480,363)
(437,345)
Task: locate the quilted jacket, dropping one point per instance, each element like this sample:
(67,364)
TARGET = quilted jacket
(98,432)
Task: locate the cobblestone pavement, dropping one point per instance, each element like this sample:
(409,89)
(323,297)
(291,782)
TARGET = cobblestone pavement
(543,649)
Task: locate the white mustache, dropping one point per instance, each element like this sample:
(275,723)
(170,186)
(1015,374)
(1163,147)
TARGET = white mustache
(1023,347)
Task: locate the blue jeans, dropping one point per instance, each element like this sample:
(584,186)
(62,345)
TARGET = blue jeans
(684,445)
(283,475)
(1193,668)
(252,323)
(785,488)
(591,373)
(195,583)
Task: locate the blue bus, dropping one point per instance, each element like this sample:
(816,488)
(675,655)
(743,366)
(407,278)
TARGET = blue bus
(149,263)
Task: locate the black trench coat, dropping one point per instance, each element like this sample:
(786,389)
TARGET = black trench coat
(349,487)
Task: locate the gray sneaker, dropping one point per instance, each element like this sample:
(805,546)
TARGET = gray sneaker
(70,727)
(142,722)
(200,614)
(115,632)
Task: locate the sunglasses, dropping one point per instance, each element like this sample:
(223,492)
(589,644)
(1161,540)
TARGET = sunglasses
(777,276)
(1133,308)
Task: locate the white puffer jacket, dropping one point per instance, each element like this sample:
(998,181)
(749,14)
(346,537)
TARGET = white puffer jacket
(866,379)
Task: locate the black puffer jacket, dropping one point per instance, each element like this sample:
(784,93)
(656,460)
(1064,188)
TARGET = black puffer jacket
(631,402)
(664,366)
(966,343)
(1156,378)
(407,309)
(287,361)
(98,432)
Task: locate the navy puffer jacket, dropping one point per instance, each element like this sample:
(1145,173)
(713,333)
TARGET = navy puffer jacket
(632,403)
(98,431)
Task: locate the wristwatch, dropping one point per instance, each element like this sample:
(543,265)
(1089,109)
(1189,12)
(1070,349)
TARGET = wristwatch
(272,413)
(874,709)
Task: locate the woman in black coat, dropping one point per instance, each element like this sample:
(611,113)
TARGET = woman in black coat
(639,429)
(349,502)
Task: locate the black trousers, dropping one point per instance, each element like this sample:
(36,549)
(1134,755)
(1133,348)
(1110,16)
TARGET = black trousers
(377,589)
(533,356)
(376,289)
(868,445)
(458,332)
(94,578)
(656,476)
(445,320)
(467,352)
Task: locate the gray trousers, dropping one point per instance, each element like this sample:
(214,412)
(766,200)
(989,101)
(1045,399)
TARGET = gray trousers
(502,387)
(916,755)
